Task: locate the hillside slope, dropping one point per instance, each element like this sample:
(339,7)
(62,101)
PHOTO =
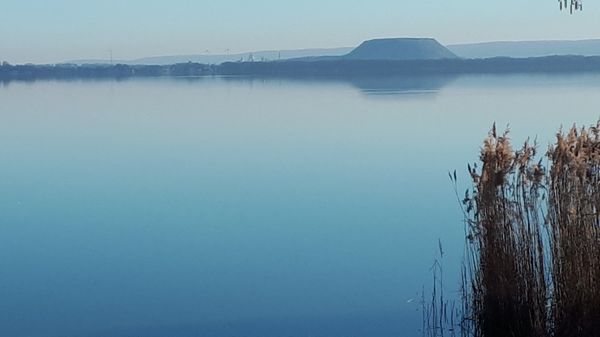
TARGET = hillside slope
(527,48)
(400,49)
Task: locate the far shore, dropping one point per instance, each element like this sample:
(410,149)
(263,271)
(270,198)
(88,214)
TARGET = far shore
(319,67)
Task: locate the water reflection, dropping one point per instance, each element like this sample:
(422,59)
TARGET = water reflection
(401,85)
(368,85)
(245,206)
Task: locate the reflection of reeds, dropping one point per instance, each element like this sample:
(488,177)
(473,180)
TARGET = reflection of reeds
(520,279)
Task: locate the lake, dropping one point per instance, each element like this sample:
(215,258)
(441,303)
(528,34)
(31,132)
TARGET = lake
(246,207)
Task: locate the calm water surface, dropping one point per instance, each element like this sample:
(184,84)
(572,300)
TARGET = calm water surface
(237,207)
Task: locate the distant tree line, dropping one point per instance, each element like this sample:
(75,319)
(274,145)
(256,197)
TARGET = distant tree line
(32,71)
(339,67)
(333,67)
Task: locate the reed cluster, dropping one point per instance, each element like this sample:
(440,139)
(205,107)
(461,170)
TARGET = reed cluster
(573,218)
(532,267)
(505,285)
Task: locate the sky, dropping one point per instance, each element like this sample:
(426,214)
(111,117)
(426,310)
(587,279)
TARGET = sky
(48,31)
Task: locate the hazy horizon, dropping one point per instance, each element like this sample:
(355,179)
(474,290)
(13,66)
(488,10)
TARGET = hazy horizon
(247,52)
(139,29)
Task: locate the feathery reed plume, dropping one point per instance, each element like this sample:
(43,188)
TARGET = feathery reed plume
(526,274)
(504,277)
(573,216)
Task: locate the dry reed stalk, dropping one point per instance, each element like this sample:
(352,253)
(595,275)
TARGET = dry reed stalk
(504,280)
(573,216)
(526,274)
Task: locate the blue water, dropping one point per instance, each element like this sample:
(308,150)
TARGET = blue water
(245,207)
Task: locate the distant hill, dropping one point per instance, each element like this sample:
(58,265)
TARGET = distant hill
(400,49)
(521,49)
(379,49)
(267,55)
(385,49)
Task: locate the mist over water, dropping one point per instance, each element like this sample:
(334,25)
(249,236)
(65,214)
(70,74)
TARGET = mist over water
(246,206)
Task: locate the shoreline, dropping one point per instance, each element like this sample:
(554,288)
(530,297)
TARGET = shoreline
(316,68)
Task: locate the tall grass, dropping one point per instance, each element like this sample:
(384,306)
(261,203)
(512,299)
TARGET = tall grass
(573,215)
(532,267)
(506,290)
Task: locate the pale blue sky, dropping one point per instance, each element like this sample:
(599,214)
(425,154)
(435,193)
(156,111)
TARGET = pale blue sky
(43,31)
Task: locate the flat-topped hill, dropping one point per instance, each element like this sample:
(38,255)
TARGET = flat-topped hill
(400,49)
